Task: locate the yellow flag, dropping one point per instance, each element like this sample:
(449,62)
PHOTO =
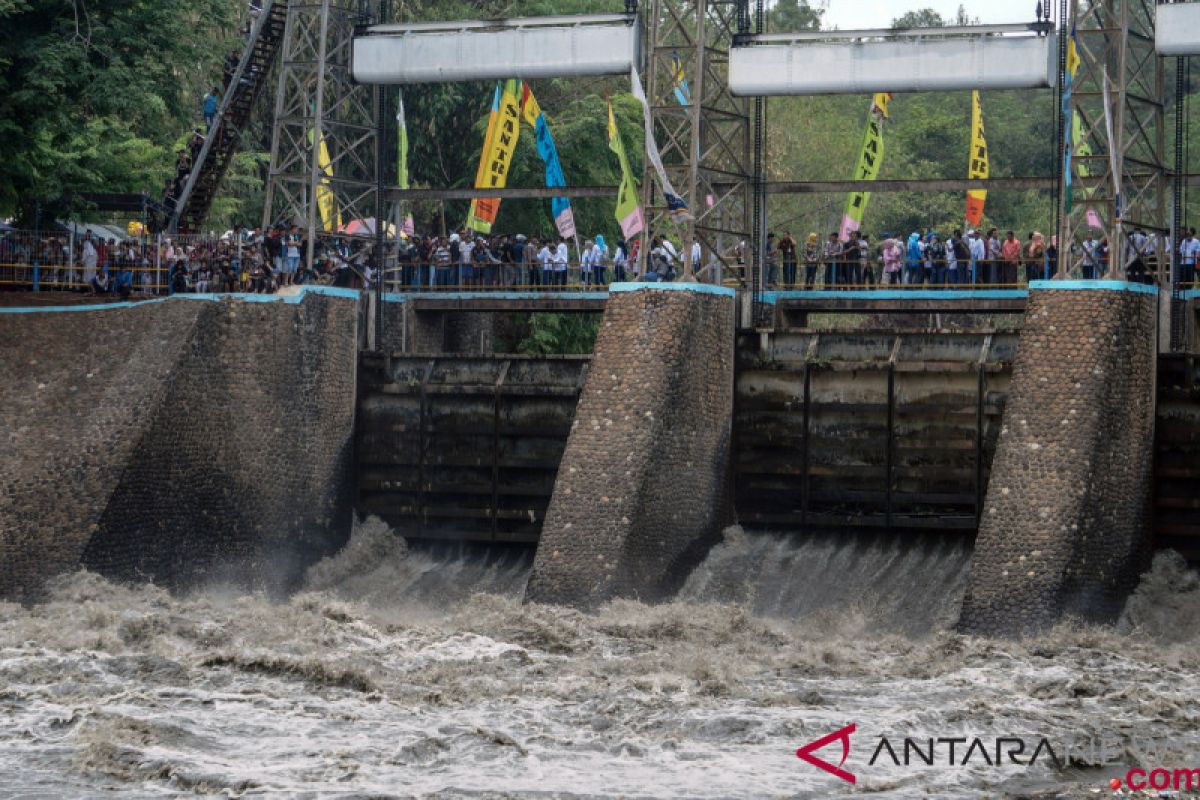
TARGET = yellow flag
(867,168)
(978,167)
(504,128)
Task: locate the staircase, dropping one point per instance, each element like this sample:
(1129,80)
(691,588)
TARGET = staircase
(1177,456)
(237,105)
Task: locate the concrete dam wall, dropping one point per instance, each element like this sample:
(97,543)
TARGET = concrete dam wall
(180,441)
(192,440)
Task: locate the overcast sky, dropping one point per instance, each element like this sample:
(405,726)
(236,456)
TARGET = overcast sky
(850,14)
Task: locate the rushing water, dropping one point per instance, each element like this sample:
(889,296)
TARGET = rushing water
(401,673)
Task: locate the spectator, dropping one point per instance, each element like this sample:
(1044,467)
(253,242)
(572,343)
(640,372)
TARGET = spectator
(787,250)
(600,260)
(913,261)
(1091,257)
(1010,254)
(620,259)
(1189,251)
(978,255)
(209,106)
(850,262)
(546,260)
(866,269)
(994,255)
(561,261)
(893,254)
(831,255)
(935,261)
(1035,254)
(812,259)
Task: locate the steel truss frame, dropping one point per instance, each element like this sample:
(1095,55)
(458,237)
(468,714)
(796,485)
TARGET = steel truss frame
(318,100)
(706,145)
(1117,37)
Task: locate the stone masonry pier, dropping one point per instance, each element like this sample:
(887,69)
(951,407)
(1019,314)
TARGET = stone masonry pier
(1065,525)
(644,485)
(181,440)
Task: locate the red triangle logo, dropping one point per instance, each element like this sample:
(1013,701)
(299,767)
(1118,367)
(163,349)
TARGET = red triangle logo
(805,753)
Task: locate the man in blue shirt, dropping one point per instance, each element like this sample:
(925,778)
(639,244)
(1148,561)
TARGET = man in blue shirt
(210,107)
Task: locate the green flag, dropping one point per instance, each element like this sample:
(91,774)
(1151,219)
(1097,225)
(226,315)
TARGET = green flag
(402,144)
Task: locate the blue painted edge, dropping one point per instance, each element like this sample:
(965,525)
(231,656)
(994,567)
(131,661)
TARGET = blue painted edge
(1094,286)
(1191,294)
(328,291)
(898,294)
(404,297)
(698,288)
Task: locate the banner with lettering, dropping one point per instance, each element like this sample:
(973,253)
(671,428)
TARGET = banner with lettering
(560,207)
(504,128)
(628,212)
(868,164)
(978,167)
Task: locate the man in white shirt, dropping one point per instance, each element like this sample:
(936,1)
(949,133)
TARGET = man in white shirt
(90,255)
(1090,257)
(561,260)
(1189,252)
(696,255)
(978,253)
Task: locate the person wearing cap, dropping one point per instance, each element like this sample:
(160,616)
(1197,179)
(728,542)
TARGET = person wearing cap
(978,253)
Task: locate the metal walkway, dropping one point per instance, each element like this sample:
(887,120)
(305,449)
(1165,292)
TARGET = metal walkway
(233,116)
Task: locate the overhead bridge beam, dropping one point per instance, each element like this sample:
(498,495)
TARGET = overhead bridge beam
(1177,29)
(906,60)
(772,187)
(530,47)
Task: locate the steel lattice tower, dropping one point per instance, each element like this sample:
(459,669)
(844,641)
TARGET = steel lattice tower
(706,145)
(317,100)
(1116,37)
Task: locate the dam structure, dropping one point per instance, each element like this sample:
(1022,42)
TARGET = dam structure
(197,439)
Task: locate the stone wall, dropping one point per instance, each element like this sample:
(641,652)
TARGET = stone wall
(178,441)
(406,330)
(1066,519)
(644,485)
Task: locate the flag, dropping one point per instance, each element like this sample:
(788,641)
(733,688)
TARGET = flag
(676,206)
(628,212)
(1114,155)
(402,156)
(401,144)
(977,168)
(560,207)
(682,93)
(504,128)
(868,164)
(326,202)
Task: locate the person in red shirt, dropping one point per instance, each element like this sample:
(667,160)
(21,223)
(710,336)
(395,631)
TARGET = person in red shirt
(1010,254)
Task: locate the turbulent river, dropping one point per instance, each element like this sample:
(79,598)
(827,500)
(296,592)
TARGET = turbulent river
(421,673)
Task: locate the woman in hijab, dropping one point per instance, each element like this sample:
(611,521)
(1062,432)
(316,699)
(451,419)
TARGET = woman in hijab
(600,260)
(913,263)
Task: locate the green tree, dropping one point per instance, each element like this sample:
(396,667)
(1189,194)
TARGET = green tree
(788,16)
(92,95)
(921,18)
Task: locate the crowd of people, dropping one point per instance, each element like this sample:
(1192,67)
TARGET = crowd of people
(251,260)
(930,260)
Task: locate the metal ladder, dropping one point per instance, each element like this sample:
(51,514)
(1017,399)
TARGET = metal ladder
(233,116)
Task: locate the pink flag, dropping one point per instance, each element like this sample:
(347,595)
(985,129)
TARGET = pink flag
(1093,219)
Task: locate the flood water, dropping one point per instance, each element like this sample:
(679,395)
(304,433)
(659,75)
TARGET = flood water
(420,673)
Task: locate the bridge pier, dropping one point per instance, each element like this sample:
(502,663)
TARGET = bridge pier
(1065,525)
(644,484)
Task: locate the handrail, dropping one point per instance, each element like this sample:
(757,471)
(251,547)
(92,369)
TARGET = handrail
(234,81)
